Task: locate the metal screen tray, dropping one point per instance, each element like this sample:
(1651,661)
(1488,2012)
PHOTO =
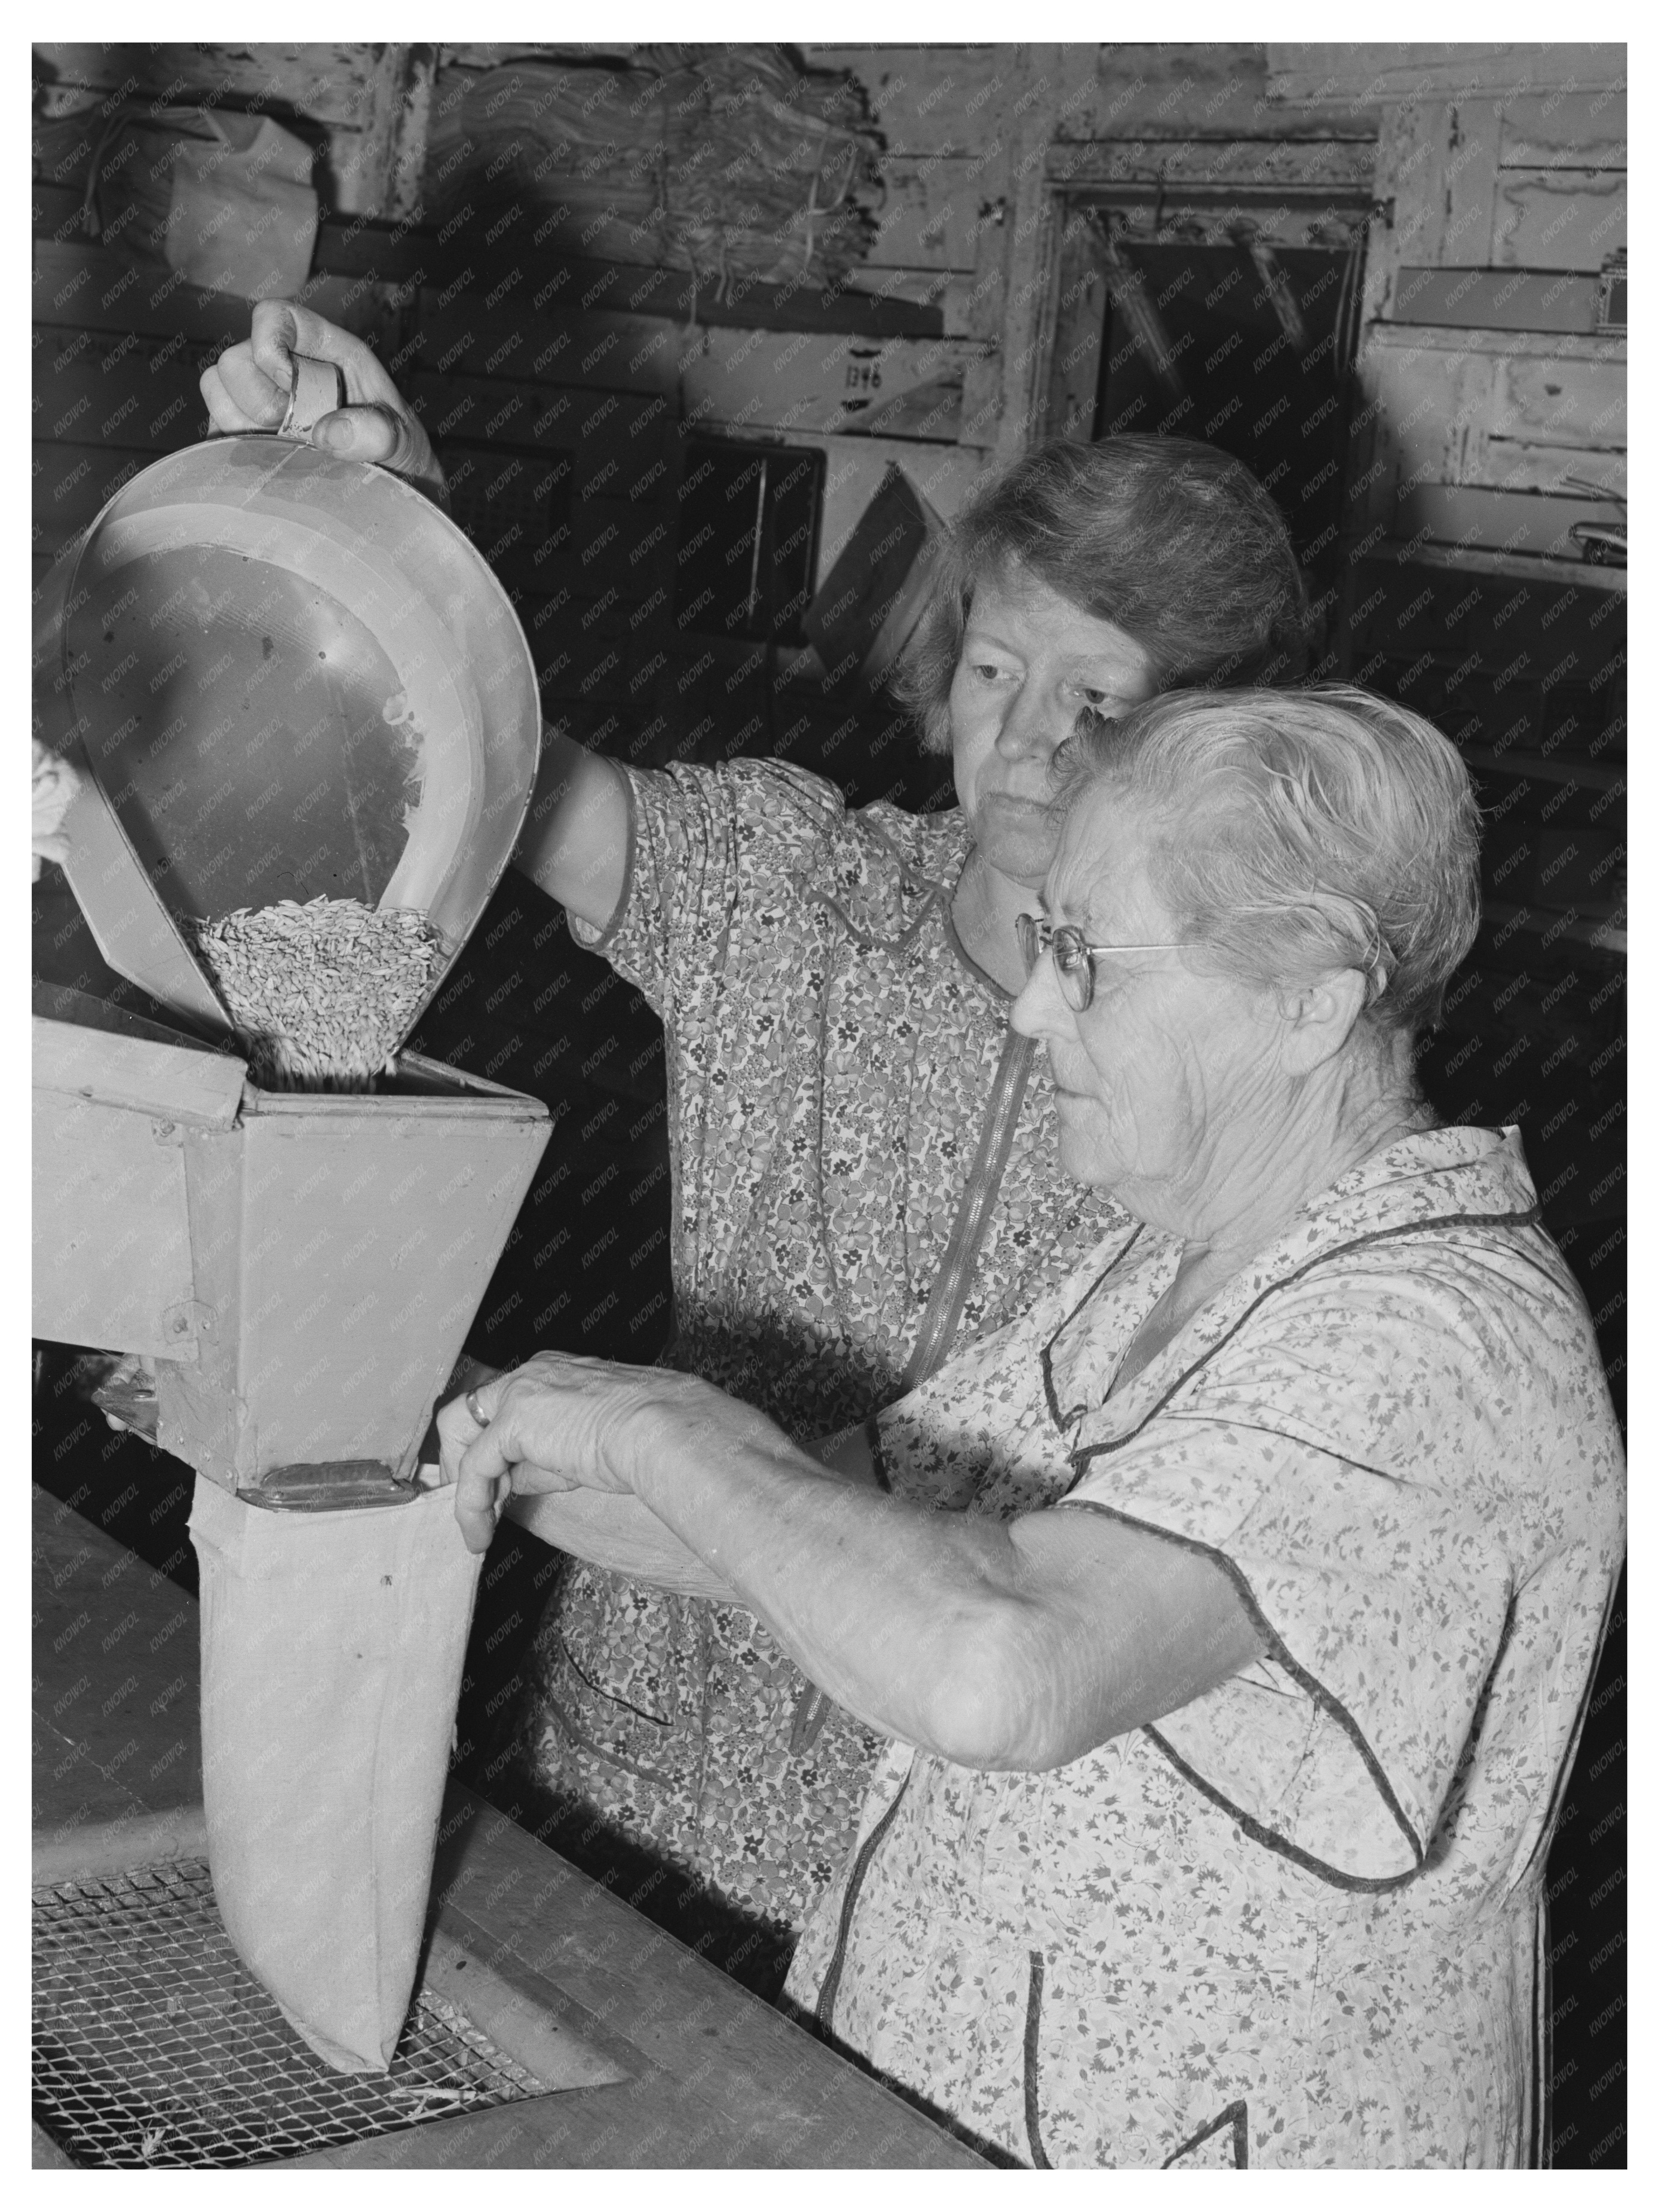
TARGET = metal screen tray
(154,2046)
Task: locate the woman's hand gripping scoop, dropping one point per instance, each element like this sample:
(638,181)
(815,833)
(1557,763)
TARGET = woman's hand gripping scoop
(248,387)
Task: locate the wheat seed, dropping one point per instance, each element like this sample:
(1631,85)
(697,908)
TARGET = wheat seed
(320,994)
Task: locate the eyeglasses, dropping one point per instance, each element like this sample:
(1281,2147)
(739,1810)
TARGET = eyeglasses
(1074,960)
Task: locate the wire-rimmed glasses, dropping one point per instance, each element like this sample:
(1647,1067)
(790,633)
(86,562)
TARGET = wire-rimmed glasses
(1074,957)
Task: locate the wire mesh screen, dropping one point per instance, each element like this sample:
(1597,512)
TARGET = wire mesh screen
(153,2045)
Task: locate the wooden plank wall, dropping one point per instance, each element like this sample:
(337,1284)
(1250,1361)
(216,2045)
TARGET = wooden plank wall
(1492,434)
(1218,90)
(1495,402)
(1490,441)
(119,349)
(1496,382)
(347,99)
(602,370)
(866,399)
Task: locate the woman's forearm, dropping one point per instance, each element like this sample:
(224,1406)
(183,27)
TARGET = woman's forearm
(875,1599)
(620,1532)
(1020,1644)
(575,840)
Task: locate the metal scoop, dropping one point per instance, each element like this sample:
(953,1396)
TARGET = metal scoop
(282,676)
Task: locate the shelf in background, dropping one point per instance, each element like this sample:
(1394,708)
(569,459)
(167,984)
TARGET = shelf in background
(399,254)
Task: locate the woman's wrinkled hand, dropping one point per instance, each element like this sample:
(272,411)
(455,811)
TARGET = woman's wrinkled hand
(247,388)
(562,1422)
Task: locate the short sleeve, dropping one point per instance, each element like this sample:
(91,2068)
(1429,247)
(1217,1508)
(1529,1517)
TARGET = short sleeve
(704,846)
(1337,1460)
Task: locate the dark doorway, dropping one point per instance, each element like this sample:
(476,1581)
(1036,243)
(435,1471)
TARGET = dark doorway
(1248,346)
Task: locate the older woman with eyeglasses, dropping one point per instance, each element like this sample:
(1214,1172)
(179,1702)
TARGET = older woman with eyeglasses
(1230,1706)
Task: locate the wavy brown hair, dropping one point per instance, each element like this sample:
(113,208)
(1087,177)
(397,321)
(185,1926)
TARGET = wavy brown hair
(1173,541)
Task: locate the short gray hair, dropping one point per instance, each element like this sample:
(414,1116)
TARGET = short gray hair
(1299,831)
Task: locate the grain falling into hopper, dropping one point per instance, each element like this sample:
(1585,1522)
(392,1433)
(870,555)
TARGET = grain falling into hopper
(321,995)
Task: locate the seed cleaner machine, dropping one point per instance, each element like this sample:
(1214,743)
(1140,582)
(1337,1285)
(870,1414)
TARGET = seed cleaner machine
(281,677)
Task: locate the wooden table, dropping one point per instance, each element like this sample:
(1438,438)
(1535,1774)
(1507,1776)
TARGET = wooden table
(713,2076)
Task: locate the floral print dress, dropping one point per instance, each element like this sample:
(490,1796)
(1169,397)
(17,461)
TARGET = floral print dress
(1298,1922)
(841,1078)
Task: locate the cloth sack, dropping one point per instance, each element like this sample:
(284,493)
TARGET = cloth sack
(223,198)
(332,1651)
(243,217)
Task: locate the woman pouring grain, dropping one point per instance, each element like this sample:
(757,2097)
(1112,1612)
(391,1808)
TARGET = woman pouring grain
(863,1154)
